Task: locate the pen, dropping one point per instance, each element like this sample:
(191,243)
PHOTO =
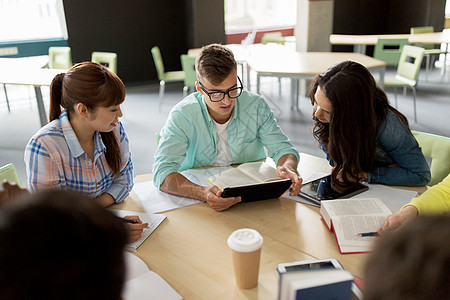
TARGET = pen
(364,234)
(130,221)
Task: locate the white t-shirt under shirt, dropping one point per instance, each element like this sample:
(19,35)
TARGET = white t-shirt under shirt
(223,157)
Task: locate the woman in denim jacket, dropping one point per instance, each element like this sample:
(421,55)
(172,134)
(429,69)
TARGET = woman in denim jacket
(363,137)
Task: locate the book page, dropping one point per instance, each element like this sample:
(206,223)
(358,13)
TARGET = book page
(231,178)
(355,206)
(347,228)
(259,170)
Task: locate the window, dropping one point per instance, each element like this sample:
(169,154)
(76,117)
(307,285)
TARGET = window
(22,20)
(247,15)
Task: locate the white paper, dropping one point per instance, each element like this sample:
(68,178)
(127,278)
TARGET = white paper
(141,283)
(135,266)
(393,198)
(155,201)
(149,286)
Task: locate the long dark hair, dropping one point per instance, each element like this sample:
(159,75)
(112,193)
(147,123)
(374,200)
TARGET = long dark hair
(94,86)
(359,107)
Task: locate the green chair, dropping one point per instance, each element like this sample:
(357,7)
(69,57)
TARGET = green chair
(172,76)
(389,50)
(107,59)
(277,38)
(9,173)
(430,51)
(60,57)
(190,77)
(407,72)
(438,148)
(273,37)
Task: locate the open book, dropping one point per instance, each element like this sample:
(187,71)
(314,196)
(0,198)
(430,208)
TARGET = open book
(245,174)
(350,217)
(315,284)
(153,220)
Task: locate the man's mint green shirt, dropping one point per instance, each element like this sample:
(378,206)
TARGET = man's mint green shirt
(188,139)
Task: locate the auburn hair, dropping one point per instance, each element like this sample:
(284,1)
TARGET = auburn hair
(94,86)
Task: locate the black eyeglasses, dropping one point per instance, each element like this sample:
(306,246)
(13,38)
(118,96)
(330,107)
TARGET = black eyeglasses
(219,96)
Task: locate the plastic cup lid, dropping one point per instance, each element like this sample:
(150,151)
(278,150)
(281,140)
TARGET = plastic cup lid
(245,240)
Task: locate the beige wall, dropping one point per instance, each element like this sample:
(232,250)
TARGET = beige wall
(314,25)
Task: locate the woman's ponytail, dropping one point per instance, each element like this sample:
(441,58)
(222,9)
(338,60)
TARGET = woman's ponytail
(56,96)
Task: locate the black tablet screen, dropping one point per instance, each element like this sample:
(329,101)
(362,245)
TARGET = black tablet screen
(321,189)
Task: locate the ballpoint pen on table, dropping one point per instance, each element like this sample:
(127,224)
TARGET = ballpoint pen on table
(366,234)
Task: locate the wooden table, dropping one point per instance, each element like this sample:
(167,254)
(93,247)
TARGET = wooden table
(12,72)
(190,250)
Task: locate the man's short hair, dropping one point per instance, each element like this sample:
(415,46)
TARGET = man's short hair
(60,245)
(412,262)
(214,63)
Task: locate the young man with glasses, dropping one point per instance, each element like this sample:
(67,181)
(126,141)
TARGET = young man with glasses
(219,125)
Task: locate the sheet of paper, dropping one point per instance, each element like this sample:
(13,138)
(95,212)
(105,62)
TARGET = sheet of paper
(313,177)
(141,283)
(155,201)
(149,286)
(393,198)
(135,266)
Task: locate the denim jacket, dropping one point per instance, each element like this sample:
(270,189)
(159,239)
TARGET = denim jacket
(396,145)
(188,139)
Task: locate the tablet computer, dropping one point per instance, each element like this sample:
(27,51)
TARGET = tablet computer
(259,191)
(320,189)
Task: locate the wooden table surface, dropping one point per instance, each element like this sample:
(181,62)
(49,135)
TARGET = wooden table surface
(190,250)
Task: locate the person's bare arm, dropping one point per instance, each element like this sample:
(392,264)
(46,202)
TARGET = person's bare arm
(176,184)
(105,199)
(287,168)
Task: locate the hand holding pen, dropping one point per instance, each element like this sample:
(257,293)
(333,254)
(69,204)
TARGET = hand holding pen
(135,227)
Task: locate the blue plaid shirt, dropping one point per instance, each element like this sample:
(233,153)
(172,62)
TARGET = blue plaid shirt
(54,158)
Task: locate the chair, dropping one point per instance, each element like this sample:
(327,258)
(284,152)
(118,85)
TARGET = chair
(277,38)
(429,48)
(389,50)
(59,57)
(190,76)
(438,148)
(273,37)
(9,173)
(107,59)
(172,76)
(407,72)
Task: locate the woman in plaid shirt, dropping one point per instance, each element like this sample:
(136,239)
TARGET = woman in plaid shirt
(84,148)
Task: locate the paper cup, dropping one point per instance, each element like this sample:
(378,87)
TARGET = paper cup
(246,245)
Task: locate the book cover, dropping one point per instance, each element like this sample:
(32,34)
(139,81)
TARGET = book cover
(315,284)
